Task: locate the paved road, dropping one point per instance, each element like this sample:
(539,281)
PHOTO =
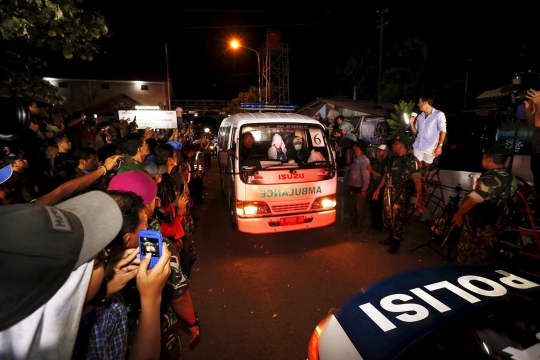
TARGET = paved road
(261,296)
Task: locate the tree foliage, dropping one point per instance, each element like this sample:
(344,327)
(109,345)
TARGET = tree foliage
(250,96)
(357,67)
(32,29)
(397,121)
(400,79)
(402,67)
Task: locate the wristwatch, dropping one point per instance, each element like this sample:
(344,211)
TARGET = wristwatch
(440,144)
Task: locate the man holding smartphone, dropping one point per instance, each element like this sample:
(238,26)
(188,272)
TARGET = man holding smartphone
(429,128)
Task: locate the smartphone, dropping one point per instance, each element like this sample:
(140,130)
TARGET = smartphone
(118,164)
(414,114)
(150,242)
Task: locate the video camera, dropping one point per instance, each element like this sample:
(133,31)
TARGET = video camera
(520,85)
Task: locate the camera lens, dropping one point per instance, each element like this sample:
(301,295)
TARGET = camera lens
(14,117)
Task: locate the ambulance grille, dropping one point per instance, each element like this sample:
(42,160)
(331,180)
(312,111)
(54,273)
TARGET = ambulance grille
(290,208)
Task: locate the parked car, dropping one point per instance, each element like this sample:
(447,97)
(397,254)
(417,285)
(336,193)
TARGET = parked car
(451,311)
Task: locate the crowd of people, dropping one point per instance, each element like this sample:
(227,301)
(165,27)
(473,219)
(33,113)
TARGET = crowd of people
(391,180)
(75,192)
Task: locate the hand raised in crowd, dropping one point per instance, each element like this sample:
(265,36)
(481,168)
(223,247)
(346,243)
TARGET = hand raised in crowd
(150,282)
(146,343)
(175,134)
(121,269)
(148,133)
(534,96)
(110,161)
(182,204)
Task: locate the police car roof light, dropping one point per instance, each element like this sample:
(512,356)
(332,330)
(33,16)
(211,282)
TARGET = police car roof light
(258,106)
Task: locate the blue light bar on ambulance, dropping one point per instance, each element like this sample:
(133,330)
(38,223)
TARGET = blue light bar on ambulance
(257,106)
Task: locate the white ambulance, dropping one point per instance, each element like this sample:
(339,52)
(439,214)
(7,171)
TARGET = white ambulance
(267,195)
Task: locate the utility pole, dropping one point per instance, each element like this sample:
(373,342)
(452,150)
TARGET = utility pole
(381,26)
(168,78)
(466,84)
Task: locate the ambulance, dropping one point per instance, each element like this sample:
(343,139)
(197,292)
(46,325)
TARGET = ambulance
(267,195)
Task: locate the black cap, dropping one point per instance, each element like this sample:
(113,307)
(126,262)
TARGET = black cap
(41,245)
(10,159)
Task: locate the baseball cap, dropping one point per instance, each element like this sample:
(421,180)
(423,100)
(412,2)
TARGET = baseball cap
(5,173)
(175,144)
(10,159)
(135,181)
(41,245)
(153,169)
(383,147)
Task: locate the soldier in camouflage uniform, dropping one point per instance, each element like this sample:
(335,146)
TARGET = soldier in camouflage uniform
(403,172)
(483,214)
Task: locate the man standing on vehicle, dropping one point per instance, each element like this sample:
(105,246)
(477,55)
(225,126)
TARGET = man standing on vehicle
(429,128)
(401,172)
(483,214)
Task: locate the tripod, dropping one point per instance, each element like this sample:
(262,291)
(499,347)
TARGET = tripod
(443,230)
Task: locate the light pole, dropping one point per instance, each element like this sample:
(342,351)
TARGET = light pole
(235,44)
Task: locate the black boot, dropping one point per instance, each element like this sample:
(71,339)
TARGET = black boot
(388,241)
(394,247)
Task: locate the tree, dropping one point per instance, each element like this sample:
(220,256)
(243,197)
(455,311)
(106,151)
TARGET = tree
(399,123)
(401,79)
(31,30)
(251,96)
(357,68)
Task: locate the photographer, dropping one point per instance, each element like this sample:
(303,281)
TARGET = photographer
(344,135)
(532,110)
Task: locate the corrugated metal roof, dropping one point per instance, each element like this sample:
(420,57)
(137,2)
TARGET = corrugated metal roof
(494,93)
(107,107)
(367,107)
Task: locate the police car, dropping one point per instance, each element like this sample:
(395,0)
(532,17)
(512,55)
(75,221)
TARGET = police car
(451,311)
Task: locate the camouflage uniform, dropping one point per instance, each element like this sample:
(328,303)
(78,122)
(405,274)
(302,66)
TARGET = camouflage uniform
(488,218)
(403,170)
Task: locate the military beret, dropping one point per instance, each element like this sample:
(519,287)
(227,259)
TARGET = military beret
(403,138)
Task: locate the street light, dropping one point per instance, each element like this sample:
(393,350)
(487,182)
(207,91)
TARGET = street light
(235,45)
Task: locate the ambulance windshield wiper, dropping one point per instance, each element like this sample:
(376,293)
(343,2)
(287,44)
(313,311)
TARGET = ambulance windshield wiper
(281,166)
(316,163)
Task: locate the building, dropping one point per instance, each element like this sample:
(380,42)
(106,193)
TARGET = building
(83,94)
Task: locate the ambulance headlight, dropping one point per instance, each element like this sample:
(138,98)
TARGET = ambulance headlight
(324,202)
(252,208)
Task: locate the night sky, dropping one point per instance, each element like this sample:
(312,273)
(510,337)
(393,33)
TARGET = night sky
(486,41)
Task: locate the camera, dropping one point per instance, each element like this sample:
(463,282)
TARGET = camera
(519,97)
(117,164)
(14,117)
(520,84)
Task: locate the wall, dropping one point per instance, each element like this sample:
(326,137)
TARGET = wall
(81,94)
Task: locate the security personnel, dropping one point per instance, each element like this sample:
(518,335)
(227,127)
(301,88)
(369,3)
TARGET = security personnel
(402,172)
(483,214)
